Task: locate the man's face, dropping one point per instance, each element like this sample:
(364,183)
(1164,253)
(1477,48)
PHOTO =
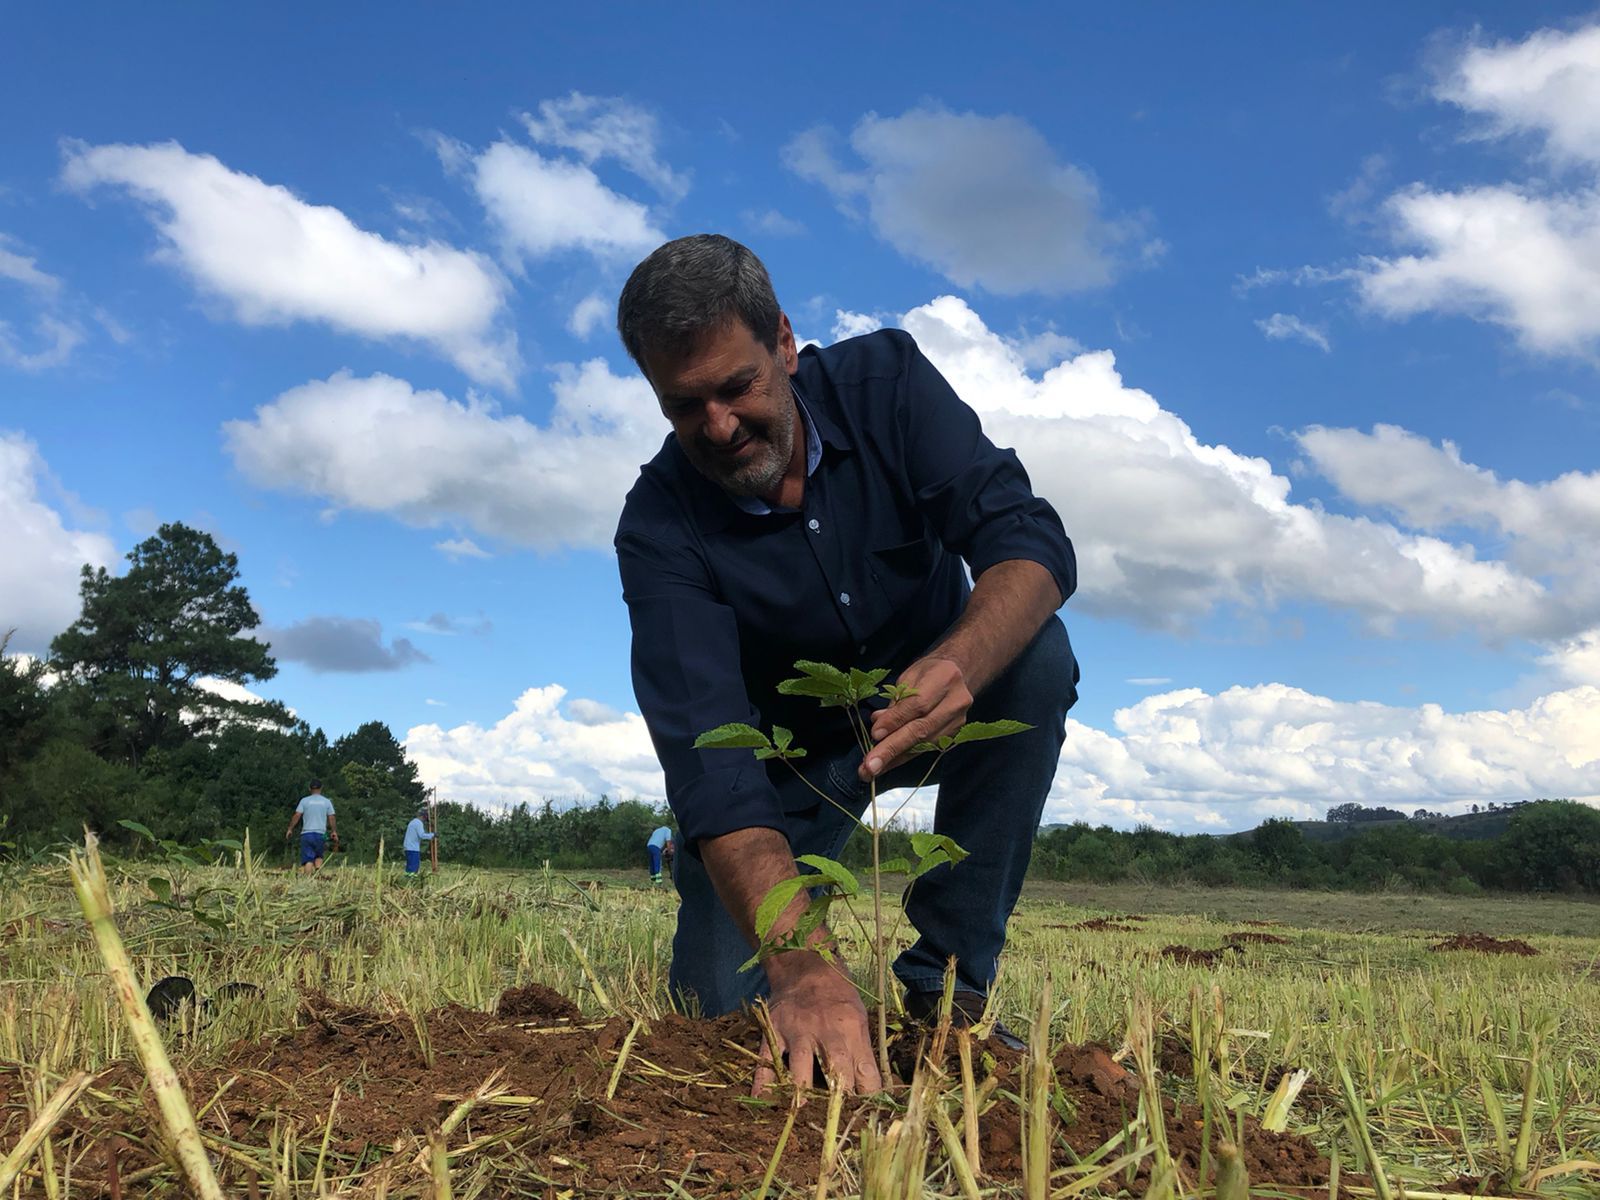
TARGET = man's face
(731,406)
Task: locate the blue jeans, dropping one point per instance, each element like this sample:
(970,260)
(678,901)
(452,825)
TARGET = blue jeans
(655,859)
(312,847)
(991,796)
(413,861)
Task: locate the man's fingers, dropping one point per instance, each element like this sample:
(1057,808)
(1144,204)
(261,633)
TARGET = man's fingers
(888,752)
(801,1058)
(766,1076)
(867,1074)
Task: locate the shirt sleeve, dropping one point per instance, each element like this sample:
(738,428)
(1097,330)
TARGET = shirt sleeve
(977,495)
(687,680)
(300,809)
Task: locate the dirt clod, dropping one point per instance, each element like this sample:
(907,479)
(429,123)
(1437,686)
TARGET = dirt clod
(1484,944)
(1252,937)
(536,1002)
(1103,925)
(1188,956)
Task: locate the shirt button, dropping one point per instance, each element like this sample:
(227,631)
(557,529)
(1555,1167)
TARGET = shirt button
(844,597)
(813,524)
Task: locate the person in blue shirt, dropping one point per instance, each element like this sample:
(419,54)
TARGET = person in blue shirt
(416,834)
(829,504)
(316,810)
(660,847)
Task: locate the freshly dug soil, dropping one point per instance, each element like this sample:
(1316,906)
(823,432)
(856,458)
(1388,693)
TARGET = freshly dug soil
(1103,925)
(680,1109)
(1252,937)
(1484,944)
(534,1001)
(1190,957)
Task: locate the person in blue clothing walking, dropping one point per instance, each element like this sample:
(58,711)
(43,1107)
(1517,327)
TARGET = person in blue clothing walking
(316,810)
(415,836)
(661,847)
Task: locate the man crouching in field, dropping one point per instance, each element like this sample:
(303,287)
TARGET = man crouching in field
(820,505)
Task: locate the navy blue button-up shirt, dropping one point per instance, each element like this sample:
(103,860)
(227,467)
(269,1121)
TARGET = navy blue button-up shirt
(867,573)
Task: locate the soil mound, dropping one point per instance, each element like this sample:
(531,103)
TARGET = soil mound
(677,1109)
(1252,937)
(1188,956)
(1103,925)
(1484,944)
(536,1002)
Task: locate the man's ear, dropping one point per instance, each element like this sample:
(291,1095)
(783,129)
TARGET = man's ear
(787,352)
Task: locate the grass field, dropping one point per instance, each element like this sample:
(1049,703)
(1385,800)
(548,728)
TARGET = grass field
(1429,1072)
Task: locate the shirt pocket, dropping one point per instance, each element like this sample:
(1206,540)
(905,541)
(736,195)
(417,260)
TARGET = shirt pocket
(900,573)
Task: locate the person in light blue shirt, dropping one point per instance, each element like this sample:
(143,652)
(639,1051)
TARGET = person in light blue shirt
(415,836)
(660,846)
(316,810)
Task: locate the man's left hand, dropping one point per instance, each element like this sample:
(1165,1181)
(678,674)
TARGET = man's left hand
(938,707)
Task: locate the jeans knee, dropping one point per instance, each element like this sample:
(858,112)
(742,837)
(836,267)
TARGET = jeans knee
(1043,681)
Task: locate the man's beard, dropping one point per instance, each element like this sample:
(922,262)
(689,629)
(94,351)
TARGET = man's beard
(760,474)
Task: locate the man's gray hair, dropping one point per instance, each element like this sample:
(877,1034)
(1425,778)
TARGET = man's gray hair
(690,287)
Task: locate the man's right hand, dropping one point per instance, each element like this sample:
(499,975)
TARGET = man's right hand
(819,1022)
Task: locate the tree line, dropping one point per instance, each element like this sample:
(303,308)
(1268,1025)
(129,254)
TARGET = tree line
(123,721)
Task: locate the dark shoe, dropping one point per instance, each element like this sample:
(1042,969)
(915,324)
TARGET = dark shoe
(966,1009)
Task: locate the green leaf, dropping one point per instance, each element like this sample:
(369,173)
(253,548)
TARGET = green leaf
(924,844)
(835,873)
(775,901)
(899,691)
(781,737)
(925,748)
(822,689)
(864,684)
(928,862)
(811,920)
(228,844)
(135,827)
(735,735)
(895,866)
(982,731)
(821,670)
(162,888)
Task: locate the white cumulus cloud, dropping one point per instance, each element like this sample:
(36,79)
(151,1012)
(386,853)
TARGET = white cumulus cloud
(377,444)
(590,313)
(1287,327)
(546,205)
(985,201)
(275,258)
(40,567)
(600,127)
(543,748)
(1546,86)
(1171,528)
(1522,254)
(1255,752)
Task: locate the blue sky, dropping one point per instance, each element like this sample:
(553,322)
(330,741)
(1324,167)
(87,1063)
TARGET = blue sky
(1292,311)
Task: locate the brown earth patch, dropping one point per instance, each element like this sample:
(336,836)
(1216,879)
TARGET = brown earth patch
(1103,925)
(1484,944)
(680,1110)
(1188,956)
(1255,938)
(534,1001)
(1261,924)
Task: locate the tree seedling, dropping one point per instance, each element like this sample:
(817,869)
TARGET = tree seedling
(826,879)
